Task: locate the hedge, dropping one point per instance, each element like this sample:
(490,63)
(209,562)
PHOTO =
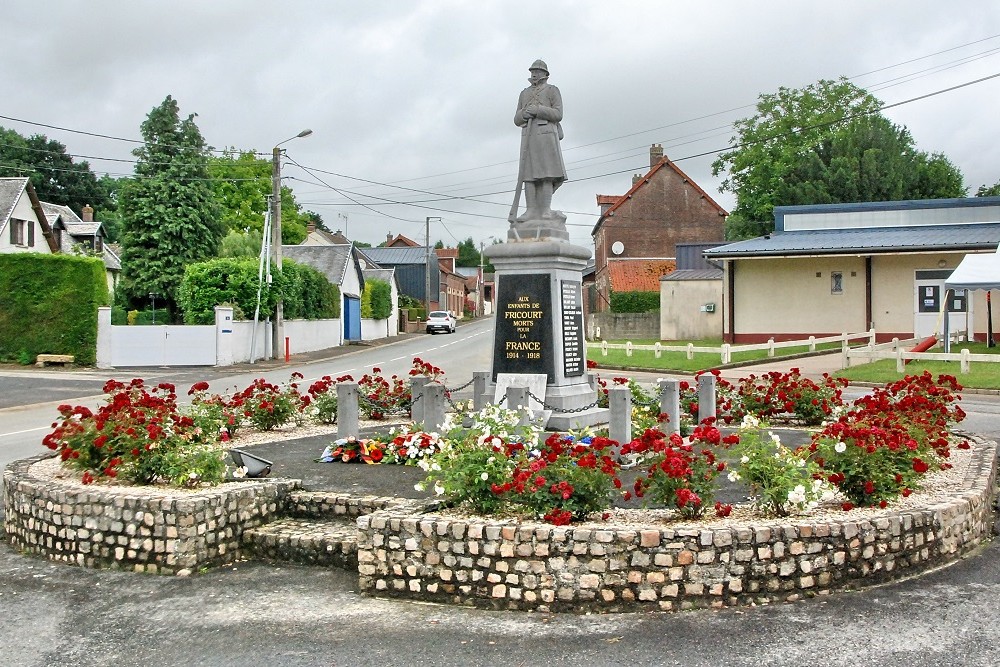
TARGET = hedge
(634,302)
(48,305)
(306,293)
(376,300)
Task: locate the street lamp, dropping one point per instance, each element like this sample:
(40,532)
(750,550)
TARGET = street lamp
(278,325)
(152,297)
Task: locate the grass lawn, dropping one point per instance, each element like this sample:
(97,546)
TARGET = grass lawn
(980,375)
(678,361)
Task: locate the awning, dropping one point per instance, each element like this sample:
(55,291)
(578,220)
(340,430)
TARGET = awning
(976,272)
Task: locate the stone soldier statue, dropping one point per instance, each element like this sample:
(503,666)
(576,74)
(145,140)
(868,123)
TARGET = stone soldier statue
(541,171)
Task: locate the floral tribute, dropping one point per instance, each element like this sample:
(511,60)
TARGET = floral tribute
(887,440)
(353,450)
(139,436)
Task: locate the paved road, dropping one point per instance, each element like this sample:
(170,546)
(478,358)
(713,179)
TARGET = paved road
(252,614)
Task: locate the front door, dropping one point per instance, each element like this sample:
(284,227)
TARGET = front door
(352,318)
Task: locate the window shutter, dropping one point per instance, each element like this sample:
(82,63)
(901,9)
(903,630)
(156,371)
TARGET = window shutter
(31,234)
(13,231)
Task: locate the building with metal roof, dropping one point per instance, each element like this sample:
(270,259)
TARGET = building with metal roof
(837,268)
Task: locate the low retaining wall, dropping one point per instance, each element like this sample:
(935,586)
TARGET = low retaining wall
(535,566)
(134,528)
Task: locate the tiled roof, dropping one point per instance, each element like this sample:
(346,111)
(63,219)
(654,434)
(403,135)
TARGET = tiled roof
(665,162)
(10,192)
(638,275)
(873,240)
(693,274)
(393,256)
(446,252)
(405,241)
(53,211)
(330,260)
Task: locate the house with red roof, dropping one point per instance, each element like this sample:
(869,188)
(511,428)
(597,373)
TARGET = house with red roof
(636,236)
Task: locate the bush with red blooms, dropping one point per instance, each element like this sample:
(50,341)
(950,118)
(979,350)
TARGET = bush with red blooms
(565,478)
(887,440)
(681,471)
(268,406)
(215,413)
(568,479)
(138,436)
(788,396)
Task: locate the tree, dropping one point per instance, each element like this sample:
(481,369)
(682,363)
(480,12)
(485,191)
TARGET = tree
(241,244)
(242,184)
(824,143)
(868,159)
(55,176)
(169,210)
(991,191)
(468,253)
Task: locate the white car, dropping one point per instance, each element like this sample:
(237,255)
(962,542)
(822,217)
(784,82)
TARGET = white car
(440,320)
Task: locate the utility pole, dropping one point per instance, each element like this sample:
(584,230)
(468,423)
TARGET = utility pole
(427,262)
(278,325)
(482,283)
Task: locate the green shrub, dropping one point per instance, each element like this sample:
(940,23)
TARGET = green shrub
(634,302)
(378,294)
(306,293)
(48,305)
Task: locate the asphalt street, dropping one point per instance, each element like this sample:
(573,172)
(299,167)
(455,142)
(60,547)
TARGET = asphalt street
(255,614)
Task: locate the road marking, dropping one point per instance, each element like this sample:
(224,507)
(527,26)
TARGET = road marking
(30,430)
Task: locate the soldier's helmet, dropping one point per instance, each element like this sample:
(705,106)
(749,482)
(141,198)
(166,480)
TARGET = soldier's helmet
(539,64)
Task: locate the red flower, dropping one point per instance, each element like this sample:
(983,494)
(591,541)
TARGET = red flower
(920,466)
(848,506)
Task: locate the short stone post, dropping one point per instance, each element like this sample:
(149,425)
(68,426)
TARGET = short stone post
(620,402)
(417,398)
(347,410)
(479,397)
(433,400)
(706,396)
(517,399)
(670,404)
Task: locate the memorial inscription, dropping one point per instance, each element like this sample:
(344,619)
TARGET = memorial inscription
(523,337)
(572,328)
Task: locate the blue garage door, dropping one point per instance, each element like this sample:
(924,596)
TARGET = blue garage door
(352,318)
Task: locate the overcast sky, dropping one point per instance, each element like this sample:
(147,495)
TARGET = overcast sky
(405,95)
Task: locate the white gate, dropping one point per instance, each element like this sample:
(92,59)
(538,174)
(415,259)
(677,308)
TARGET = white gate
(168,345)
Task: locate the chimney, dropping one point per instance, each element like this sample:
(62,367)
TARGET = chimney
(311,226)
(388,237)
(655,154)
(87,213)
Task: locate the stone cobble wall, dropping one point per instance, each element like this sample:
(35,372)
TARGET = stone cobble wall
(96,526)
(311,504)
(510,565)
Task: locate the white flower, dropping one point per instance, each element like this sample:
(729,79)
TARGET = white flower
(744,459)
(420,486)
(240,472)
(774,437)
(436,467)
(797,496)
(484,476)
(491,459)
(734,476)
(438,489)
(840,447)
(750,421)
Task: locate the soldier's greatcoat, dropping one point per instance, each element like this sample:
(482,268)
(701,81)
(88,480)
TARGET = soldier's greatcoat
(542,158)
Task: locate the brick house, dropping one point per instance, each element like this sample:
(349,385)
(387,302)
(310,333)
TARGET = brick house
(637,233)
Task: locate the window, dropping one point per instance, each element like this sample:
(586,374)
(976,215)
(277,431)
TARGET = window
(17,232)
(836,282)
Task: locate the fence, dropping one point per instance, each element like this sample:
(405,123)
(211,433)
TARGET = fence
(430,401)
(895,350)
(726,350)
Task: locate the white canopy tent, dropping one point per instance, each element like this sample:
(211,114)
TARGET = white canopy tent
(975,272)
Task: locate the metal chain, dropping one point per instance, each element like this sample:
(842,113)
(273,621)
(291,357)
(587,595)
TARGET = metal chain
(372,406)
(464,386)
(570,411)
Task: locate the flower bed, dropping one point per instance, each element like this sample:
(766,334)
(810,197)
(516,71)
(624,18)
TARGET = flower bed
(506,564)
(146,529)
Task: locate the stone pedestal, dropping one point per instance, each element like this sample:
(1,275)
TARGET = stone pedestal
(539,323)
